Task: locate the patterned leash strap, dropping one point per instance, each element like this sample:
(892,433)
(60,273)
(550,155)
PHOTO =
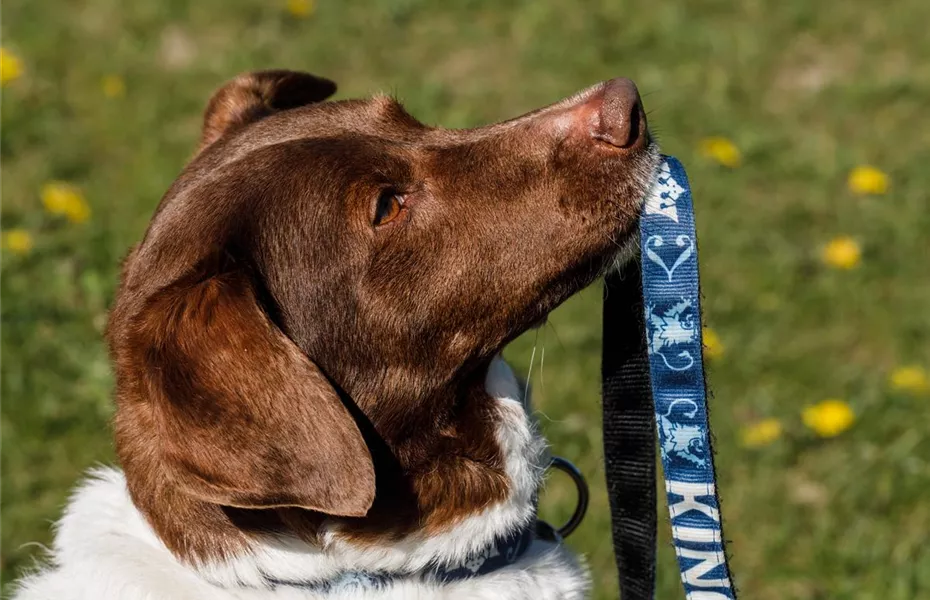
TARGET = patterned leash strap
(653,380)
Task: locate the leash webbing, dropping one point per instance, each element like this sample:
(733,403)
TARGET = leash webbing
(657,353)
(629,434)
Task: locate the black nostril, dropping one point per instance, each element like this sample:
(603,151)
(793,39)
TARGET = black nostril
(636,118)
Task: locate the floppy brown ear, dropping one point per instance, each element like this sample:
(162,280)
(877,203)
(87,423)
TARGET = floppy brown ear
(242,417)
(253,96)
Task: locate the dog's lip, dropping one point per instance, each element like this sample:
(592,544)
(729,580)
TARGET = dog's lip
(652,157)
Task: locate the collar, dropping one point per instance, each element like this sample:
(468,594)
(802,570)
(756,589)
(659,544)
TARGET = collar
(503,551)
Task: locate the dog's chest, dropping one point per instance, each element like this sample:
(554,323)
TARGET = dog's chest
(106,549)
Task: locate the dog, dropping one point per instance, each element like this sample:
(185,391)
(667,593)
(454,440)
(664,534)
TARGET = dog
(310,399)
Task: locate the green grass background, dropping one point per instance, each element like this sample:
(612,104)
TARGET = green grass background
(807,90)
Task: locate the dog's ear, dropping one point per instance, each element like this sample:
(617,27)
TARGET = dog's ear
(240,415)
(253,96)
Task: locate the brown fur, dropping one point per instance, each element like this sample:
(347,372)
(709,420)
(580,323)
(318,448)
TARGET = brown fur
(279,358)
(249,98)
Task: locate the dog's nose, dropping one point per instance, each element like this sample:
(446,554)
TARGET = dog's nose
(621,121)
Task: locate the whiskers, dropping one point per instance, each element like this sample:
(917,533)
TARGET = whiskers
(545,327)
(626,251)
(529,373)
(542,364)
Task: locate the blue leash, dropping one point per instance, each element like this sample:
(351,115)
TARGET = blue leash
(654,381)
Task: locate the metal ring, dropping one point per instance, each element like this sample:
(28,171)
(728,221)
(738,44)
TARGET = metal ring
(581,485)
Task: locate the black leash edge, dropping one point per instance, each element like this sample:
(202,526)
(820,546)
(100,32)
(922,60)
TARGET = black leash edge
(629,433)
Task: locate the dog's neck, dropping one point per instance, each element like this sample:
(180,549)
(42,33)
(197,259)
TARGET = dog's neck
(462,505)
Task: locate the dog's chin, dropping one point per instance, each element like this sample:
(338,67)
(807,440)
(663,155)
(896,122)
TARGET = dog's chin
(627,252)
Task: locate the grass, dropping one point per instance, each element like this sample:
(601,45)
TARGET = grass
(806,90)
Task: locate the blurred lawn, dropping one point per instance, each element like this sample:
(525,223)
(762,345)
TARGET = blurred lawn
(806,90)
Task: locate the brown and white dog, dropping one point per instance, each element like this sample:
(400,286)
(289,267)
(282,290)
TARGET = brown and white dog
(306,346)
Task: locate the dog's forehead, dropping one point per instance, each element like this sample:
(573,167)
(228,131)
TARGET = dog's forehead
(379,116)
(355,121)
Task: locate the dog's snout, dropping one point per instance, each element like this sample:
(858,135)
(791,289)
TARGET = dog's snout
(621,121)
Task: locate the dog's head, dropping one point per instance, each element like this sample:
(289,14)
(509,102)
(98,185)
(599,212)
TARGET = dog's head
(319,264)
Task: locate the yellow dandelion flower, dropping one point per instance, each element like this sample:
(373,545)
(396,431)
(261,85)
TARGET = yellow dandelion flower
(17,241)
(722,151)
(866,180)
(65,199)
(301,8)
(761,433)
(911,378)
(842,253)
(829,418)
(113,86)
(713,347)
(11,67)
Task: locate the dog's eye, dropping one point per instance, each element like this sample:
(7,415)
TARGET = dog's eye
(390,204)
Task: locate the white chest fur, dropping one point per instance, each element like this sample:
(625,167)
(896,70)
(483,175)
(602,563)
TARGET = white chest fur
(105,549)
